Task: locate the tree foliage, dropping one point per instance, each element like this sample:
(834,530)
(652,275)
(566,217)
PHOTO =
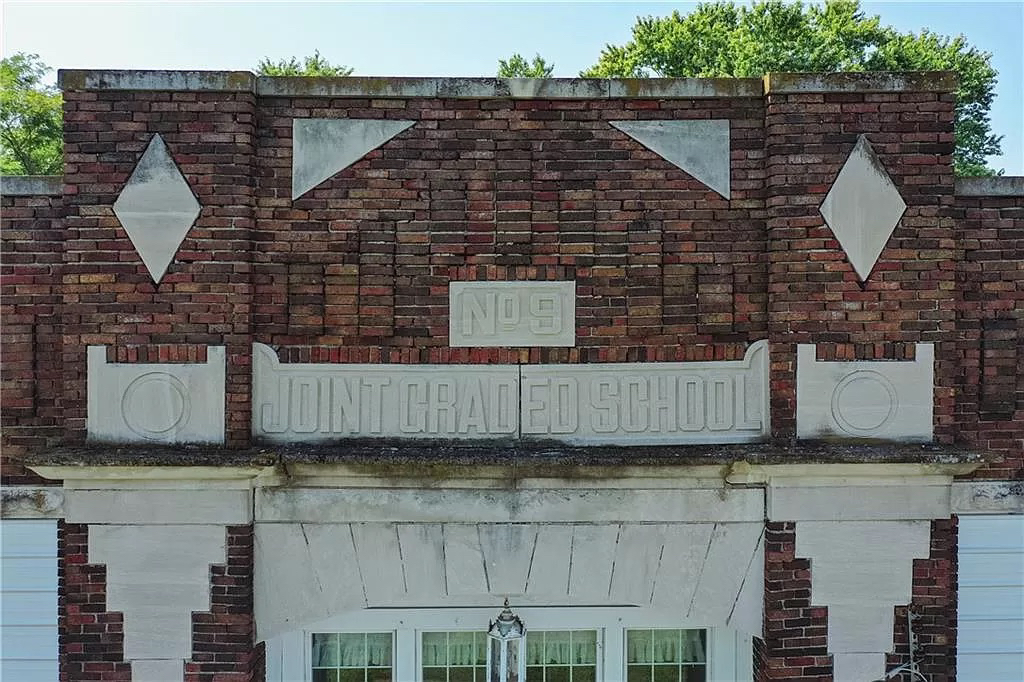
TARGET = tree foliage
(313,65)
(721,39)
(31,118)
(516,66)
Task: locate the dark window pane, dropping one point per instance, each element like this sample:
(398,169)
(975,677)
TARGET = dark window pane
(638,673)
(666,673)
(557,674)
(379,675)
(460,674)
(434,675)
(584,674)
(351,676)
(325,676)
(694,673)
(534,674)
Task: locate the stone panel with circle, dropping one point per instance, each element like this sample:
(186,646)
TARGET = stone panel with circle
(156,403)
(865,399)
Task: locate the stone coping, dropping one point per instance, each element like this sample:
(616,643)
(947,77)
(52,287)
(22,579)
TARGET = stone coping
(503,88)
(875,81)
(390,453)
(31,185)
(1003,186)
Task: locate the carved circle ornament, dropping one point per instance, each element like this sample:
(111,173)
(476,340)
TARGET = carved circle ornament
(154,404)
(864,402)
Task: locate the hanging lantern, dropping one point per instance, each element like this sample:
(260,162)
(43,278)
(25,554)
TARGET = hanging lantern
(506,648)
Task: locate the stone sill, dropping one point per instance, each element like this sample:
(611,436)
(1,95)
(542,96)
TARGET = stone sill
(31,185)
(503,88)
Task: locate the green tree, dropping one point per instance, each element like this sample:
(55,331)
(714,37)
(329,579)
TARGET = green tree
(31,119)
(313,65)
(516,66)
(721,39)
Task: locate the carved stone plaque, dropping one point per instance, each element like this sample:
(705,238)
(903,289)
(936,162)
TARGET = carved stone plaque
(156,402)
(649,403)
(512,314)
(308,402)
(627,404)
(865,399)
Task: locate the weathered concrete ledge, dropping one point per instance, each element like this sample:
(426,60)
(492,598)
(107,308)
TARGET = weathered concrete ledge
(1004,186)
(31,502)
(877,81)
(390,453)
(31,185)
(392,87)
(99,79)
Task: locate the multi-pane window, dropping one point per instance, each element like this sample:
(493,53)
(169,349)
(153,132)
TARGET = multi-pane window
(454,656)
(666,655)
(353,657)
(561,656)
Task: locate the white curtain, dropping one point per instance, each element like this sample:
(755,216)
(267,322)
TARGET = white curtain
(354,650)
(561,648)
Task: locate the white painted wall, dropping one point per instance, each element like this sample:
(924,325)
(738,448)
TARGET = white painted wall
(28,599)
(990,627)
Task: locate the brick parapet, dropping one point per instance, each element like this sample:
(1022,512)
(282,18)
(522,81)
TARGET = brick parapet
(31,243)
(990,321)
(205,297)
(816,296)
(502,190)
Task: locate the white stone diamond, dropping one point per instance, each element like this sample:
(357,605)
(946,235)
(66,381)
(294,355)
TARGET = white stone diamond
(863,208)
(156,208)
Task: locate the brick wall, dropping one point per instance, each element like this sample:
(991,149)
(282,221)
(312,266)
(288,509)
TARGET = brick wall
(91,639)
(500,188)
(222,639)
(990,321)
(30,334)
(934,602)
(795,632)
(205,297)
(511,190)
(814,292)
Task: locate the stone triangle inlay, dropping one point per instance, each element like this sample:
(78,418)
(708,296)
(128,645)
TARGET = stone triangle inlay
(322,147)
(156,208)
(700,148)
(862,208)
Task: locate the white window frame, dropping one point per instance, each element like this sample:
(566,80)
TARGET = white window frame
(289,656)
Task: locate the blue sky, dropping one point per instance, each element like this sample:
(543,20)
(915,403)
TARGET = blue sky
(434,38)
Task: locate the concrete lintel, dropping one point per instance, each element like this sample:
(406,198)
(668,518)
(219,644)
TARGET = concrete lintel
(877,81)
(1004,186)
(988,497)
(159,507)
(355,505)
(31,185)
(103,79)
(840,474)
(31,502)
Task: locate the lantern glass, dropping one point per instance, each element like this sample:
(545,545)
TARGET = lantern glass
(506,639)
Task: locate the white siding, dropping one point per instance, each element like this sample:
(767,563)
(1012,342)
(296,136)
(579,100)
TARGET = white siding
(28,598)
(990,640)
